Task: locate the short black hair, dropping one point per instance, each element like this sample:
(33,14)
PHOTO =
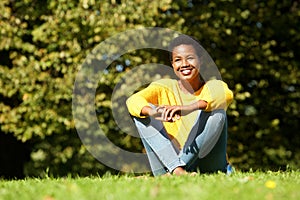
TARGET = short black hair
(187,40)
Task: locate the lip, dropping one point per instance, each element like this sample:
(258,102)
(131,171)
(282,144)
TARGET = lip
(186,71)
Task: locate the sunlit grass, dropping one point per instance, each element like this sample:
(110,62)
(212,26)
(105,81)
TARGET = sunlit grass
(251,185)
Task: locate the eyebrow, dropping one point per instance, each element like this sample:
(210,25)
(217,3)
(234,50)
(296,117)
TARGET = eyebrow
(178,56)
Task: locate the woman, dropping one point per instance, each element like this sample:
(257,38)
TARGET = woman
(182,122)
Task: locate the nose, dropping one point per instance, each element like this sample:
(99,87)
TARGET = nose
(185,62)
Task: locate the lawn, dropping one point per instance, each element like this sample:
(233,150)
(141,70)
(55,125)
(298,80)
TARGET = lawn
(250,185)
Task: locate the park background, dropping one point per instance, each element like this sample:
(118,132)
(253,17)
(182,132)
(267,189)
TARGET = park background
(255,44)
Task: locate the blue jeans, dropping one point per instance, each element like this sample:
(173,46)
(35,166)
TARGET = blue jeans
(204,150)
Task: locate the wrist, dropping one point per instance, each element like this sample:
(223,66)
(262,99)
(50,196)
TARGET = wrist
(146,111)
(201,105)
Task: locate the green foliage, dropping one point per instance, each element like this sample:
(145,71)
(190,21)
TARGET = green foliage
(43,44)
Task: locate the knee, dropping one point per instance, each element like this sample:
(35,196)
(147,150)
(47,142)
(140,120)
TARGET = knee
(218,117)
(141,122)
(148,123)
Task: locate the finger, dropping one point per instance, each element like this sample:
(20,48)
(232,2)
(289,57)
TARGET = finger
(159,118)
(175,113)
(171,114)
(163,114)
(167,114)
(158,109)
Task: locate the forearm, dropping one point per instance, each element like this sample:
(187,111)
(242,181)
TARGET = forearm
(198,105)
(171,113)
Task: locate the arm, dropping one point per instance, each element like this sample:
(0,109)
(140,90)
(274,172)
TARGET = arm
(136,102)
(172,113)
(217,95)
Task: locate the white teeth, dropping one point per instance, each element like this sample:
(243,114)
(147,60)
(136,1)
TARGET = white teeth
(186,71)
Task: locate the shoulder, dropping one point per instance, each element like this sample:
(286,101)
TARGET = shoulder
(166,83)
(215,83)
(218,87)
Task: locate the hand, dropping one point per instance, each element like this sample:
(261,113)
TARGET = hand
(166,113)
(191,148)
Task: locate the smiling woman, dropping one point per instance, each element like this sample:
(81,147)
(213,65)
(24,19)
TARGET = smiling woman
(182,122)
(186,65)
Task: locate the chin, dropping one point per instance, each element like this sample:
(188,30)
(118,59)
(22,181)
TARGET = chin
(189,78)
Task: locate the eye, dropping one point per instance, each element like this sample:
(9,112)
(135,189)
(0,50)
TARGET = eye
(177,59)
(190,58)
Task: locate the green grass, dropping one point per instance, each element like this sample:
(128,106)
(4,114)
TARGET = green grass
(252,185)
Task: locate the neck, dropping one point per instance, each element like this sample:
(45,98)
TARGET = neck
(190,87)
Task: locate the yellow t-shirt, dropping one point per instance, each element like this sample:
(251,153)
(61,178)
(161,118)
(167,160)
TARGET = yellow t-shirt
(167,92)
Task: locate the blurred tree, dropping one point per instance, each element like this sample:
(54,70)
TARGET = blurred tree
(43,44)
(42,47)
(255,44)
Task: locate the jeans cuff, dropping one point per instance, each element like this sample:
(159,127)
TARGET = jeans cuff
(175,164)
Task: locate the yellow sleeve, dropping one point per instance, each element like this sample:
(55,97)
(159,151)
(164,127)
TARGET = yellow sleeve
(217,95)
(137,101)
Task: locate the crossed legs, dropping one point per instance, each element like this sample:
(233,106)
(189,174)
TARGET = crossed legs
(204,150)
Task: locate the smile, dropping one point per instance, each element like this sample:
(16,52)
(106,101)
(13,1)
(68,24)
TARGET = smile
(186,71)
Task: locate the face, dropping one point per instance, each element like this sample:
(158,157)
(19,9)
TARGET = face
(186,63)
